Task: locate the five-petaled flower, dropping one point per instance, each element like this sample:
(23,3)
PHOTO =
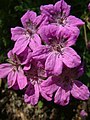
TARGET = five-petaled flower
(14,72)
(29,34)
(67,84)
(36,76)
(58,14)
(42,61)
(57,50)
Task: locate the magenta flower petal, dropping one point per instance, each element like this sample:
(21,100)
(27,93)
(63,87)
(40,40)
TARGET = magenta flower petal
(68,35)
(63,7)
(28,16)
(35,42)
(12,76)
(5,69)
(72,20)
(27,67)
(58,65)
(62,97)
(54,64)
(40,21)
(29,93)
(20,45)
(48,31)
(80,71)
(37,39)
(17,32)
(83,113)
(46,9)
(44,94)
(21,79)
(80,91)
(10,54)
(50,62)
(70,58)
(15,86)
(49,85)
(41,52)
(32,94)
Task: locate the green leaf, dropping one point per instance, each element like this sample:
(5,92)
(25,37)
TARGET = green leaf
(40,104)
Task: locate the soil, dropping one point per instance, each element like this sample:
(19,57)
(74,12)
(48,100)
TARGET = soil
(12,107)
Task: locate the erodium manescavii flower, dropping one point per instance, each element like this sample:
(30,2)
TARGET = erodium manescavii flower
(67,84)
(43,62)
(83,114)
(26,35)
(13,71)
(57,49)
(36,76)
(59,14)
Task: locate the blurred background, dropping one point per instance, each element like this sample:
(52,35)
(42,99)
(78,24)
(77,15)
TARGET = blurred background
(12,106)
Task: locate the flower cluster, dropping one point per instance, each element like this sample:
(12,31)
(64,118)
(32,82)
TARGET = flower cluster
(42,61)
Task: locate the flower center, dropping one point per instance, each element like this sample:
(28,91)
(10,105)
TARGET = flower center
(31,28)
(60,19)
(67,82)
(56,46)
(35,75)
(15,62)
(67,78)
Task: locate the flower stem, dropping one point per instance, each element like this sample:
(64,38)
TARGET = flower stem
(85,36)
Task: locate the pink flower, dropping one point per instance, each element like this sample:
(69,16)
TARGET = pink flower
(57,50)
(14,72)
(36,76)
(66,84)
(42,61)
(83,113)
(59,14)
(89,6)
(29,34)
